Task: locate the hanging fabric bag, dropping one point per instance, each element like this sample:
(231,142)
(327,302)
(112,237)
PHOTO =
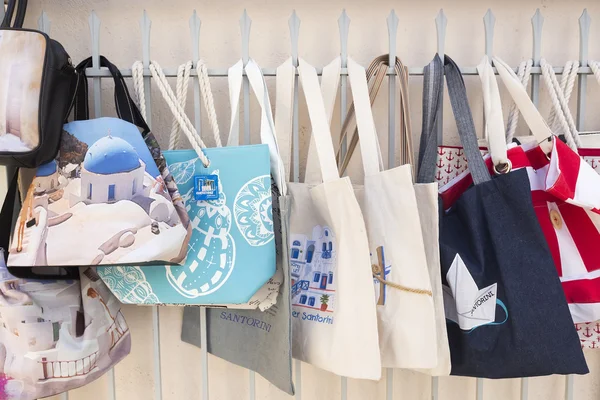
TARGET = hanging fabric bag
(399,265)
(37,75)
(565,199)
(105,189)
(506,313)
(330,262)
(57,335)
(227,194)
(259,339)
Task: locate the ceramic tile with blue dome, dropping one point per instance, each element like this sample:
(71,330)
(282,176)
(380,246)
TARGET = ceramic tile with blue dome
(103,201)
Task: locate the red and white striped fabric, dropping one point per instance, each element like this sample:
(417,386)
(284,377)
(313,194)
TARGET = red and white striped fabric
(565,191)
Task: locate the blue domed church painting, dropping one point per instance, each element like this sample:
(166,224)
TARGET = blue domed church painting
(102,201)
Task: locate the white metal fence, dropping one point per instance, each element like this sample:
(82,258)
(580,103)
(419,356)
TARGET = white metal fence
(438,388)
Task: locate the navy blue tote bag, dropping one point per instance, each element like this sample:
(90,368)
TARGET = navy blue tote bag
(505,309)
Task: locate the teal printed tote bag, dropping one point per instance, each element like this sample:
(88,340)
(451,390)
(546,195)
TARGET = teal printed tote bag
(227,195)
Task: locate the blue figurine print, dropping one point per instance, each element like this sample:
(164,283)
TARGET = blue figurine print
(312,263)
(211,256)
(380,274)
(253,211)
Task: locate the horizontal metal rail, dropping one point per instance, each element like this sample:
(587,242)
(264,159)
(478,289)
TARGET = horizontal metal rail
(222,72)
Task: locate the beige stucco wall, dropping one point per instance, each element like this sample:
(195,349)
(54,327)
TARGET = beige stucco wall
(319,43)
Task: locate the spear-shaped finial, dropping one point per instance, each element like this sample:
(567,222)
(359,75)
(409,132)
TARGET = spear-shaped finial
(489,21)
(344,26)
(294,24)
(245,25)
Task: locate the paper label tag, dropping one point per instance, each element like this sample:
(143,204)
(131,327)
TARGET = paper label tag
(206,187)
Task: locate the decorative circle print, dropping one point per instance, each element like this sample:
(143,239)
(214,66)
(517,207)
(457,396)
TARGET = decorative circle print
(205,270)
(253,211)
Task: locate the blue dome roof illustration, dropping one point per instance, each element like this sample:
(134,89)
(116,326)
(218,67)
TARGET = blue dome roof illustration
(111,155)
(47,169)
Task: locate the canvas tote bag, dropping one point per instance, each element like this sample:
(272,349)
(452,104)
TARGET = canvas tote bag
(57,335)
(330,262)
(565,199)
(406,321)
(106,189)
(426,195)
(258,339)
(496,264)
(230,212)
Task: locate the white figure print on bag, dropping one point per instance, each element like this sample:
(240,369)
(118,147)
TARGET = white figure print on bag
(211,255)
(312,264)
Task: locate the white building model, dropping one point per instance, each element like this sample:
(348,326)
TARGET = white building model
(111,171)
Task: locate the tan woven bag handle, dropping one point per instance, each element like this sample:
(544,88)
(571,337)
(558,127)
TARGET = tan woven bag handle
(376,73)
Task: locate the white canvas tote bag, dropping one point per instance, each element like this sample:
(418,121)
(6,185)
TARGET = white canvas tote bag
(407,336)
(334,316)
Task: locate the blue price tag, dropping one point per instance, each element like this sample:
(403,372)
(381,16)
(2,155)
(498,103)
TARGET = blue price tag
(206,187)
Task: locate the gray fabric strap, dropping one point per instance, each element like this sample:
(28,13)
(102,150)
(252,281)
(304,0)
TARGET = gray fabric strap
(464,122)
(433,84)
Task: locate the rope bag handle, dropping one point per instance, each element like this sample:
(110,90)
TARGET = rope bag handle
(376,72)
(178,112)
(523,73)
(560,106)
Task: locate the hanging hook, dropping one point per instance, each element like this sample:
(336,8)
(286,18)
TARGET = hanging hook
(440,25)
(584,37)
(245,25)
(145,25)
(344,26)
(195,25)
(294,24)
(489,22)
(43,22)
(392,23)
(537,22)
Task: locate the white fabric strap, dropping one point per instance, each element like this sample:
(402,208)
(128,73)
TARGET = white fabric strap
(234,80)
(532,116)
(267,124)
(183,80)
(321,131)
(284,112)
(330,80)
(492,107)
(523,73)
(559,102)
(369,146)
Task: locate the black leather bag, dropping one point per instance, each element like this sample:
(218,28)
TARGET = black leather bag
(36,75)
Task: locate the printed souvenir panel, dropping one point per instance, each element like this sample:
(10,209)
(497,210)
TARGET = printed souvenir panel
(20,85)
(231,252)
(57,335)
(102,201)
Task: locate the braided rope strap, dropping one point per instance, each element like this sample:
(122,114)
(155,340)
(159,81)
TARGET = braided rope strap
(559,103)
(567,84)
(523,73)
(595,66)
(183,79)
(176,109)
(377,275)
(137,74)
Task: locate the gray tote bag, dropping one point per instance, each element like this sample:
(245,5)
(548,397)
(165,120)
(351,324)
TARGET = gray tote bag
(255,339)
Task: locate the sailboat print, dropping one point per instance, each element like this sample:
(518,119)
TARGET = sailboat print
(466,304)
